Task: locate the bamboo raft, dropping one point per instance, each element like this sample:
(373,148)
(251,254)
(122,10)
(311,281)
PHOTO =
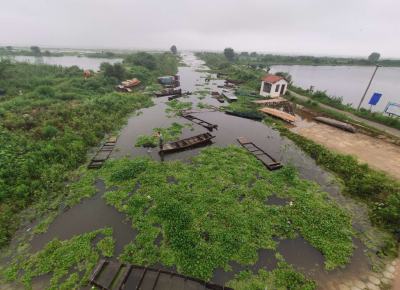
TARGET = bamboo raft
(167,92)
(271,102)
(108,275)
(243,115)
(260,154)
(337,124)
(276,113)
(186,143)
(218,97)
(200,122)
(103,154)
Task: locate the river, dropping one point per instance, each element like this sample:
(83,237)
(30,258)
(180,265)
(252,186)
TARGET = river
(94,213)
(86,63)
(348,82)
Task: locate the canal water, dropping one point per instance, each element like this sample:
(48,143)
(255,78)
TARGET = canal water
(349,82)
(94,213)
(86,63)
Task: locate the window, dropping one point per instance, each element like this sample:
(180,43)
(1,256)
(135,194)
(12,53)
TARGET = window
(277,88)
(267,87)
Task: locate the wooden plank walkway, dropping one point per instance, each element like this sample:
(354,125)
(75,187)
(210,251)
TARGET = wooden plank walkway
(103,154)
(284,116)
(116,276)
(260,154)
(201,122)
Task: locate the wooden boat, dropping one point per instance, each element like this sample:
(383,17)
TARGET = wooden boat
(186,143)
(336,123)
(276,113)
(174,97)
(221,74)
(260,154)
(271,102)
(103,154)
(243,115)
(231,97)
(167,92)
(236,82)
(200,122)
(218,97)
(116,276)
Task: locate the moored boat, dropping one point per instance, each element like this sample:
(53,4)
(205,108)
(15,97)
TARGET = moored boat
(243,115)
(186,143)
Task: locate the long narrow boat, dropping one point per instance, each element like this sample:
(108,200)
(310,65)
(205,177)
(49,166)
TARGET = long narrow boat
(260,154)
(218,97)
(107,275)
(243,115)
(186,143)
(167,92)
(174,97)
(337,124)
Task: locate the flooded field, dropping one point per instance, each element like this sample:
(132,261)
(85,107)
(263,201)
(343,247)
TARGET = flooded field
(94,213)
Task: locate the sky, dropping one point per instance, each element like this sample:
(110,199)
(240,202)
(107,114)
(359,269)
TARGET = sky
(313,27)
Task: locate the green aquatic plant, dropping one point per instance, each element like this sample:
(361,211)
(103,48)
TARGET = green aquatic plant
(58,259)
(175,106)
(196,210)
(204,106)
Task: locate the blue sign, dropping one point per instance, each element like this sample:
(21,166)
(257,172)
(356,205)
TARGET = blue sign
(375,99)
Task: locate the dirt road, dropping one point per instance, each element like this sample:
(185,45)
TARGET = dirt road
(379,154)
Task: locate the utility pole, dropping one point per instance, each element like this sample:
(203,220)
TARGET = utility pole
(368,87)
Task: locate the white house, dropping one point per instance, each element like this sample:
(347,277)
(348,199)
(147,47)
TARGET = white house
(273,86)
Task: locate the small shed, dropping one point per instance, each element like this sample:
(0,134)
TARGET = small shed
(273,86)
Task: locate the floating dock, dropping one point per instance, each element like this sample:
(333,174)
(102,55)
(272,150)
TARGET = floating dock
(116,276)
(103,154)
(260,154)
(276,113)
(271,102)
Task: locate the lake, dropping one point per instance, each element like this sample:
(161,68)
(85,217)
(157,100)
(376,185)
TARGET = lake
(83,62)
(348,82)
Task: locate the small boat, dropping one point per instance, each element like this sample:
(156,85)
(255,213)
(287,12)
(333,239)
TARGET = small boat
(174,97)
(167,92)
(186,143)
(243,115)
(236,82)
(336,123)
(221,74)
(218,97)
(231,97)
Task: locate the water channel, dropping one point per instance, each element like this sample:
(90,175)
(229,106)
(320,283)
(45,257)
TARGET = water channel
(94,213)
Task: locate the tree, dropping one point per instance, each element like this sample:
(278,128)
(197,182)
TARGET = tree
(253,66)
(35,49)
(109,54)
(229,53)
(261,66)
(145,59)
(374,56)
(244,53)
(286,75)
(317,60)
(253,54)
(47,53)
(5,65)
(9,48)
(115,71)
(174,50)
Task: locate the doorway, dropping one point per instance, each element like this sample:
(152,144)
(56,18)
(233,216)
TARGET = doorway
(282,89)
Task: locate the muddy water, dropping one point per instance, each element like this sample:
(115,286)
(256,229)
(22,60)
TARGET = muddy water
(94,213)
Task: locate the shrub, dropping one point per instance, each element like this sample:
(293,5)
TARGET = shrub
(50,131)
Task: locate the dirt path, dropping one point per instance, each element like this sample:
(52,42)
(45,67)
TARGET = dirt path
(379,154)
(390,130)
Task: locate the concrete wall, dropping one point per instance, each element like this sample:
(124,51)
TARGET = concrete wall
(273,93)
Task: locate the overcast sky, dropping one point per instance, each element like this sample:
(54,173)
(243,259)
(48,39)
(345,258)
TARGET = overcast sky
(339,27)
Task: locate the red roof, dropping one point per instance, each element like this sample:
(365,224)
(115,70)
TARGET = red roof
(273,79)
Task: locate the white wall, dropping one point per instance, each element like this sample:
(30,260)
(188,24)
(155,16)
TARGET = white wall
(274,94)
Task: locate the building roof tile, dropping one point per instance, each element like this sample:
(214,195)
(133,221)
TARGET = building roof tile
(273,79)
